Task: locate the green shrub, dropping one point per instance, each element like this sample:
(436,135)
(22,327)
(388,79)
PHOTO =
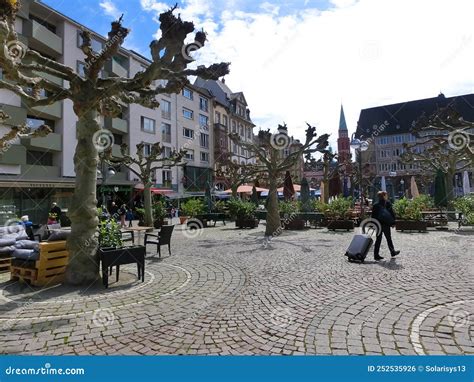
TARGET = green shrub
(241,209)
(289,207)
(109,234)
(192,207)
(339,208)
(159,210)
(424,202)
(319,206)
(408,209)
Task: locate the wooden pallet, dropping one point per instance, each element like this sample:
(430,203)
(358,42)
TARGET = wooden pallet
(49,269)
(5,264)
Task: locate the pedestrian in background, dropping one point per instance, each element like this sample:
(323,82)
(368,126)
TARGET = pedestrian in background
(383,212)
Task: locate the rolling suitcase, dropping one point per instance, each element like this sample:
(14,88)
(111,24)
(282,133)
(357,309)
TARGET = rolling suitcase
(359,247)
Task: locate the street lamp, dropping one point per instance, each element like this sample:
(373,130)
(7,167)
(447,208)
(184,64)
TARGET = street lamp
(105,173)
(359,145)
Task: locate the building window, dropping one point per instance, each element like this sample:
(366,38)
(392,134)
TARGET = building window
(187,93)
(234,127)
(148,125)
(146,150)
(249,133)
(96,45)
(33,122)
(189,155)
(241,128)
(204,140)
(165,109)
(203,120)
(225,120)
(166,132)
(49,26)
(203,104)
(39,158)
(166,152)
(218,117)
(118,139)
(187,113)
(81,69)
(204,156)
(188,133)
(166,176)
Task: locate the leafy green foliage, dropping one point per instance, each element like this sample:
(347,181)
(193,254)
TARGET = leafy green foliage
(406,209)
(465,205)
(424,202)
(192,207)
(319,206)
(289,207)
(159,210)
(219,206)
(241,209)
(339,208)
(109,234)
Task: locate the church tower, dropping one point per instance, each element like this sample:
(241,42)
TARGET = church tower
(343,141)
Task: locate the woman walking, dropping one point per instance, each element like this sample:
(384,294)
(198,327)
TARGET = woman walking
(383,212)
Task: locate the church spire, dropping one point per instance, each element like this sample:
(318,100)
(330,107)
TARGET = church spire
(342,120)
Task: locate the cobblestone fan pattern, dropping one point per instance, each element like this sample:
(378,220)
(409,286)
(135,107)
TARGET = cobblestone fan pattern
(225,292)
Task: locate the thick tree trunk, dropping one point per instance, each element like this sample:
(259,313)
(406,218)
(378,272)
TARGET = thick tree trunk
(234,188)
(147,199)
(273,214)
(449,185)
(83,268)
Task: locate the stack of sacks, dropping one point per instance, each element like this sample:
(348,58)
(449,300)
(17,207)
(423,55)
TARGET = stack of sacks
(14,242)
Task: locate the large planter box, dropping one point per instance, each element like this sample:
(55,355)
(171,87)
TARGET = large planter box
(411,225)
(246,223)
(261,215)
(159,223)
(294,224)
(192,222)
(110,257)
(340,224)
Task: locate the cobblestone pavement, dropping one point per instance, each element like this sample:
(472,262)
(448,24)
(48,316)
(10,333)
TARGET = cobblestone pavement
(224,292)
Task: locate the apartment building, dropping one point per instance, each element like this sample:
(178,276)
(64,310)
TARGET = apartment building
(230,115)
(35,172)
(388,127)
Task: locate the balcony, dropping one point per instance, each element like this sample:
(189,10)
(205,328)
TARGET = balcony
(42,38)
(16,154)
(116,152)
(116,125)
(165,114)
(53,111)
(117,178)
(115,69)
(51,142)
(41,172)
(17,115)
(49,77)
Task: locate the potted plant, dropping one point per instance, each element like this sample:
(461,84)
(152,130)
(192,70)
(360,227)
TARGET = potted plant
(159,214)
(111,251)
(290,215)
(408,215)
(141,216)
(338,214)
(465,206)
(243,212)
(191,209)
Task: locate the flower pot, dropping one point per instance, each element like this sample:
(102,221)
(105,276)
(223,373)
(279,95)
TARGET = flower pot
(340,224)
(411,225)
(158,223)
(294,224)
(182,219)
(246,222)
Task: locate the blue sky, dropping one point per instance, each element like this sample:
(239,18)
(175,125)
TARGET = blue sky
(296,61)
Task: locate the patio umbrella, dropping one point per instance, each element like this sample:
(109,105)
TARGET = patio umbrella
(208,198)
(414,188)
(254,196)
(466,187)
(440,195)
(245,189)
(383,184)
(288,189)
(335,185)
(305,202)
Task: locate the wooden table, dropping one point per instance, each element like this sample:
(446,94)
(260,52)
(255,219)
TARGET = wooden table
(138,230)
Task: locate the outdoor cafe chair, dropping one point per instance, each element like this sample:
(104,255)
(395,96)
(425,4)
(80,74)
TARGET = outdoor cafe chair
(162,238)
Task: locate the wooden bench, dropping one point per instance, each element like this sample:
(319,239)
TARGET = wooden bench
(49,269)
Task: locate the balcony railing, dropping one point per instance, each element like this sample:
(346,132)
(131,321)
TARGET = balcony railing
(166,138)
(51,142)
(165,114)
(42,37)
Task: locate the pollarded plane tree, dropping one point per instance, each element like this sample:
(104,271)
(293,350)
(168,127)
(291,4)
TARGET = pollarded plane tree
(93,96)
(145,167)
(267,149)
(444,143)
(236,174)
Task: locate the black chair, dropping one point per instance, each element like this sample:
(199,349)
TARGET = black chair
(130,238)
(162,238)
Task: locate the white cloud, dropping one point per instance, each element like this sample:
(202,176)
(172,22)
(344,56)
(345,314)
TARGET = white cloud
(110,9)
(299,67)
